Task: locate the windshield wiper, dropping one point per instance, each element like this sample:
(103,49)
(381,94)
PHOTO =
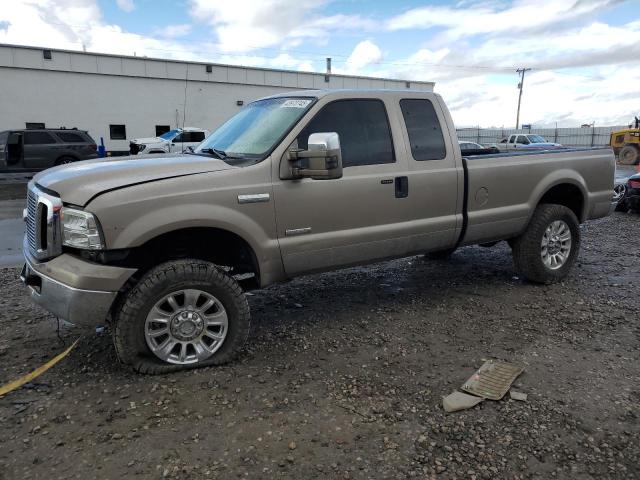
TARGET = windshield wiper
(221,154)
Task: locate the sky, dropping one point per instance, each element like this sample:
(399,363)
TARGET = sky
(584,55)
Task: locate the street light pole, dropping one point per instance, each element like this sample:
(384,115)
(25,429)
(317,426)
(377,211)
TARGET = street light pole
(521,71)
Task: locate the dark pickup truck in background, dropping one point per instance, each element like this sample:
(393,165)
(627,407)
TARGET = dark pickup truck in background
(38,149)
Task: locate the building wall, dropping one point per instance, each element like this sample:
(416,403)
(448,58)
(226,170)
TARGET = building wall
(92,91)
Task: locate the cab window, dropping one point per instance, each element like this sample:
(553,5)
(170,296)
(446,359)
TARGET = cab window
(363,128)
(424,129)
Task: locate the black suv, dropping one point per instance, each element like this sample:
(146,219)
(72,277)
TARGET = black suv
(37,149)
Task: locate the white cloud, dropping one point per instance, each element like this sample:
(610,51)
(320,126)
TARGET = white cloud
(126,5)
(245,25)
(364,54)
(174,31)
(72,24)
(493,17)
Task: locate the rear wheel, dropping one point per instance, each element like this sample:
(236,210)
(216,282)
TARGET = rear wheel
(628,155)
(547,249)
(182,314)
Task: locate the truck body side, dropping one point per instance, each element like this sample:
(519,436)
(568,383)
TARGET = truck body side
(259,220)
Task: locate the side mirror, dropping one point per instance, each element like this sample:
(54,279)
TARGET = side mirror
(321,161)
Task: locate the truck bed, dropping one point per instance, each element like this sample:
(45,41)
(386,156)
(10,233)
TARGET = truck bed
(502,189)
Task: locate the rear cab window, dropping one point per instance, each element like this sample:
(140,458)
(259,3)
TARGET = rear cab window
(424,129)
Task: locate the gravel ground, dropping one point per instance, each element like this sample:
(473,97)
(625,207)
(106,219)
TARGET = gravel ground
(343,377)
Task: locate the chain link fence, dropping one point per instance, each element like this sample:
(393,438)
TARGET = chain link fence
(570,137)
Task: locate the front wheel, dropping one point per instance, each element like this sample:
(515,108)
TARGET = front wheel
(181,314)
(547,249)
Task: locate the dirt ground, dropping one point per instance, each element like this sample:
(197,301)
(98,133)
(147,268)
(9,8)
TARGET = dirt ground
(343,377)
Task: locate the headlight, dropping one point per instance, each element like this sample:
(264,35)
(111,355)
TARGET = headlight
(80,229)
(141,147)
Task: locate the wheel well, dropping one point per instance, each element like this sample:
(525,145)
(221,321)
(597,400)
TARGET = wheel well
(218,246)
(61,157)
(568,195)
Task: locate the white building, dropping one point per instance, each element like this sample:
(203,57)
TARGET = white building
(119,97)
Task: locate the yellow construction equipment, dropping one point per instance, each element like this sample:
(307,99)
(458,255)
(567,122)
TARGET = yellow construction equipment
(626,144)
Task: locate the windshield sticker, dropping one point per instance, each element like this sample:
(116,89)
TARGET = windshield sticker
(296,103)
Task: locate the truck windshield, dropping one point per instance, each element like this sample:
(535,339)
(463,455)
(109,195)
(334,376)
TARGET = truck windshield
(255,130)
(536,139)
(170,134)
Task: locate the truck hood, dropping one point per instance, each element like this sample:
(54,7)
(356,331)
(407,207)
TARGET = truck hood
(148,140)
(79,182)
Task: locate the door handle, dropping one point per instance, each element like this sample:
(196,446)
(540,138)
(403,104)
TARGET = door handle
(402,187)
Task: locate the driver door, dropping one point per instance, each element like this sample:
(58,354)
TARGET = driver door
(322,224)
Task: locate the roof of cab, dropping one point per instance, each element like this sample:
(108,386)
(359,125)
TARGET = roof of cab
(347,92)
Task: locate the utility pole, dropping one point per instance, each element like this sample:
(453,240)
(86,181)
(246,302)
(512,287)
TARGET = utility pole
(521,71)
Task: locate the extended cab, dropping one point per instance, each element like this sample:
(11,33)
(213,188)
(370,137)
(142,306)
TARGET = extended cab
(292,184)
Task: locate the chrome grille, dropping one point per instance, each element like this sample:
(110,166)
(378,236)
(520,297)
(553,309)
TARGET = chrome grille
(32,221)
(43,224)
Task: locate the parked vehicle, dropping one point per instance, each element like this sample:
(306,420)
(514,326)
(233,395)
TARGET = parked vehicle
(473,148)
(626,144)
(292,184)
(37,149)
(629,196)
(619,193)
(528,141)
(173,141)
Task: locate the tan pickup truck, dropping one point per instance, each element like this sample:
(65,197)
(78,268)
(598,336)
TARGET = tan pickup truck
(162,247)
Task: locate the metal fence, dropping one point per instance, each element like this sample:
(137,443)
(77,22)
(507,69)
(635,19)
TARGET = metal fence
(571,137)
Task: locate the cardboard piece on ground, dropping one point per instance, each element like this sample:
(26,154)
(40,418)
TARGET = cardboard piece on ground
(459,401)
(521,397)
(493,379)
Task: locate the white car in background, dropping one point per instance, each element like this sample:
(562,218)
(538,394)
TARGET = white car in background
(527,141)
(173,141)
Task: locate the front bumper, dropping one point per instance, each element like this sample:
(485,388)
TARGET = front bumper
(80,306)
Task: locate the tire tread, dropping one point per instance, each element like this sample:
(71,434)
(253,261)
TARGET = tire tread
(132,305)
(526,247)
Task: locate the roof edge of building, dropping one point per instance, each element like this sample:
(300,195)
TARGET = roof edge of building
(203,63)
